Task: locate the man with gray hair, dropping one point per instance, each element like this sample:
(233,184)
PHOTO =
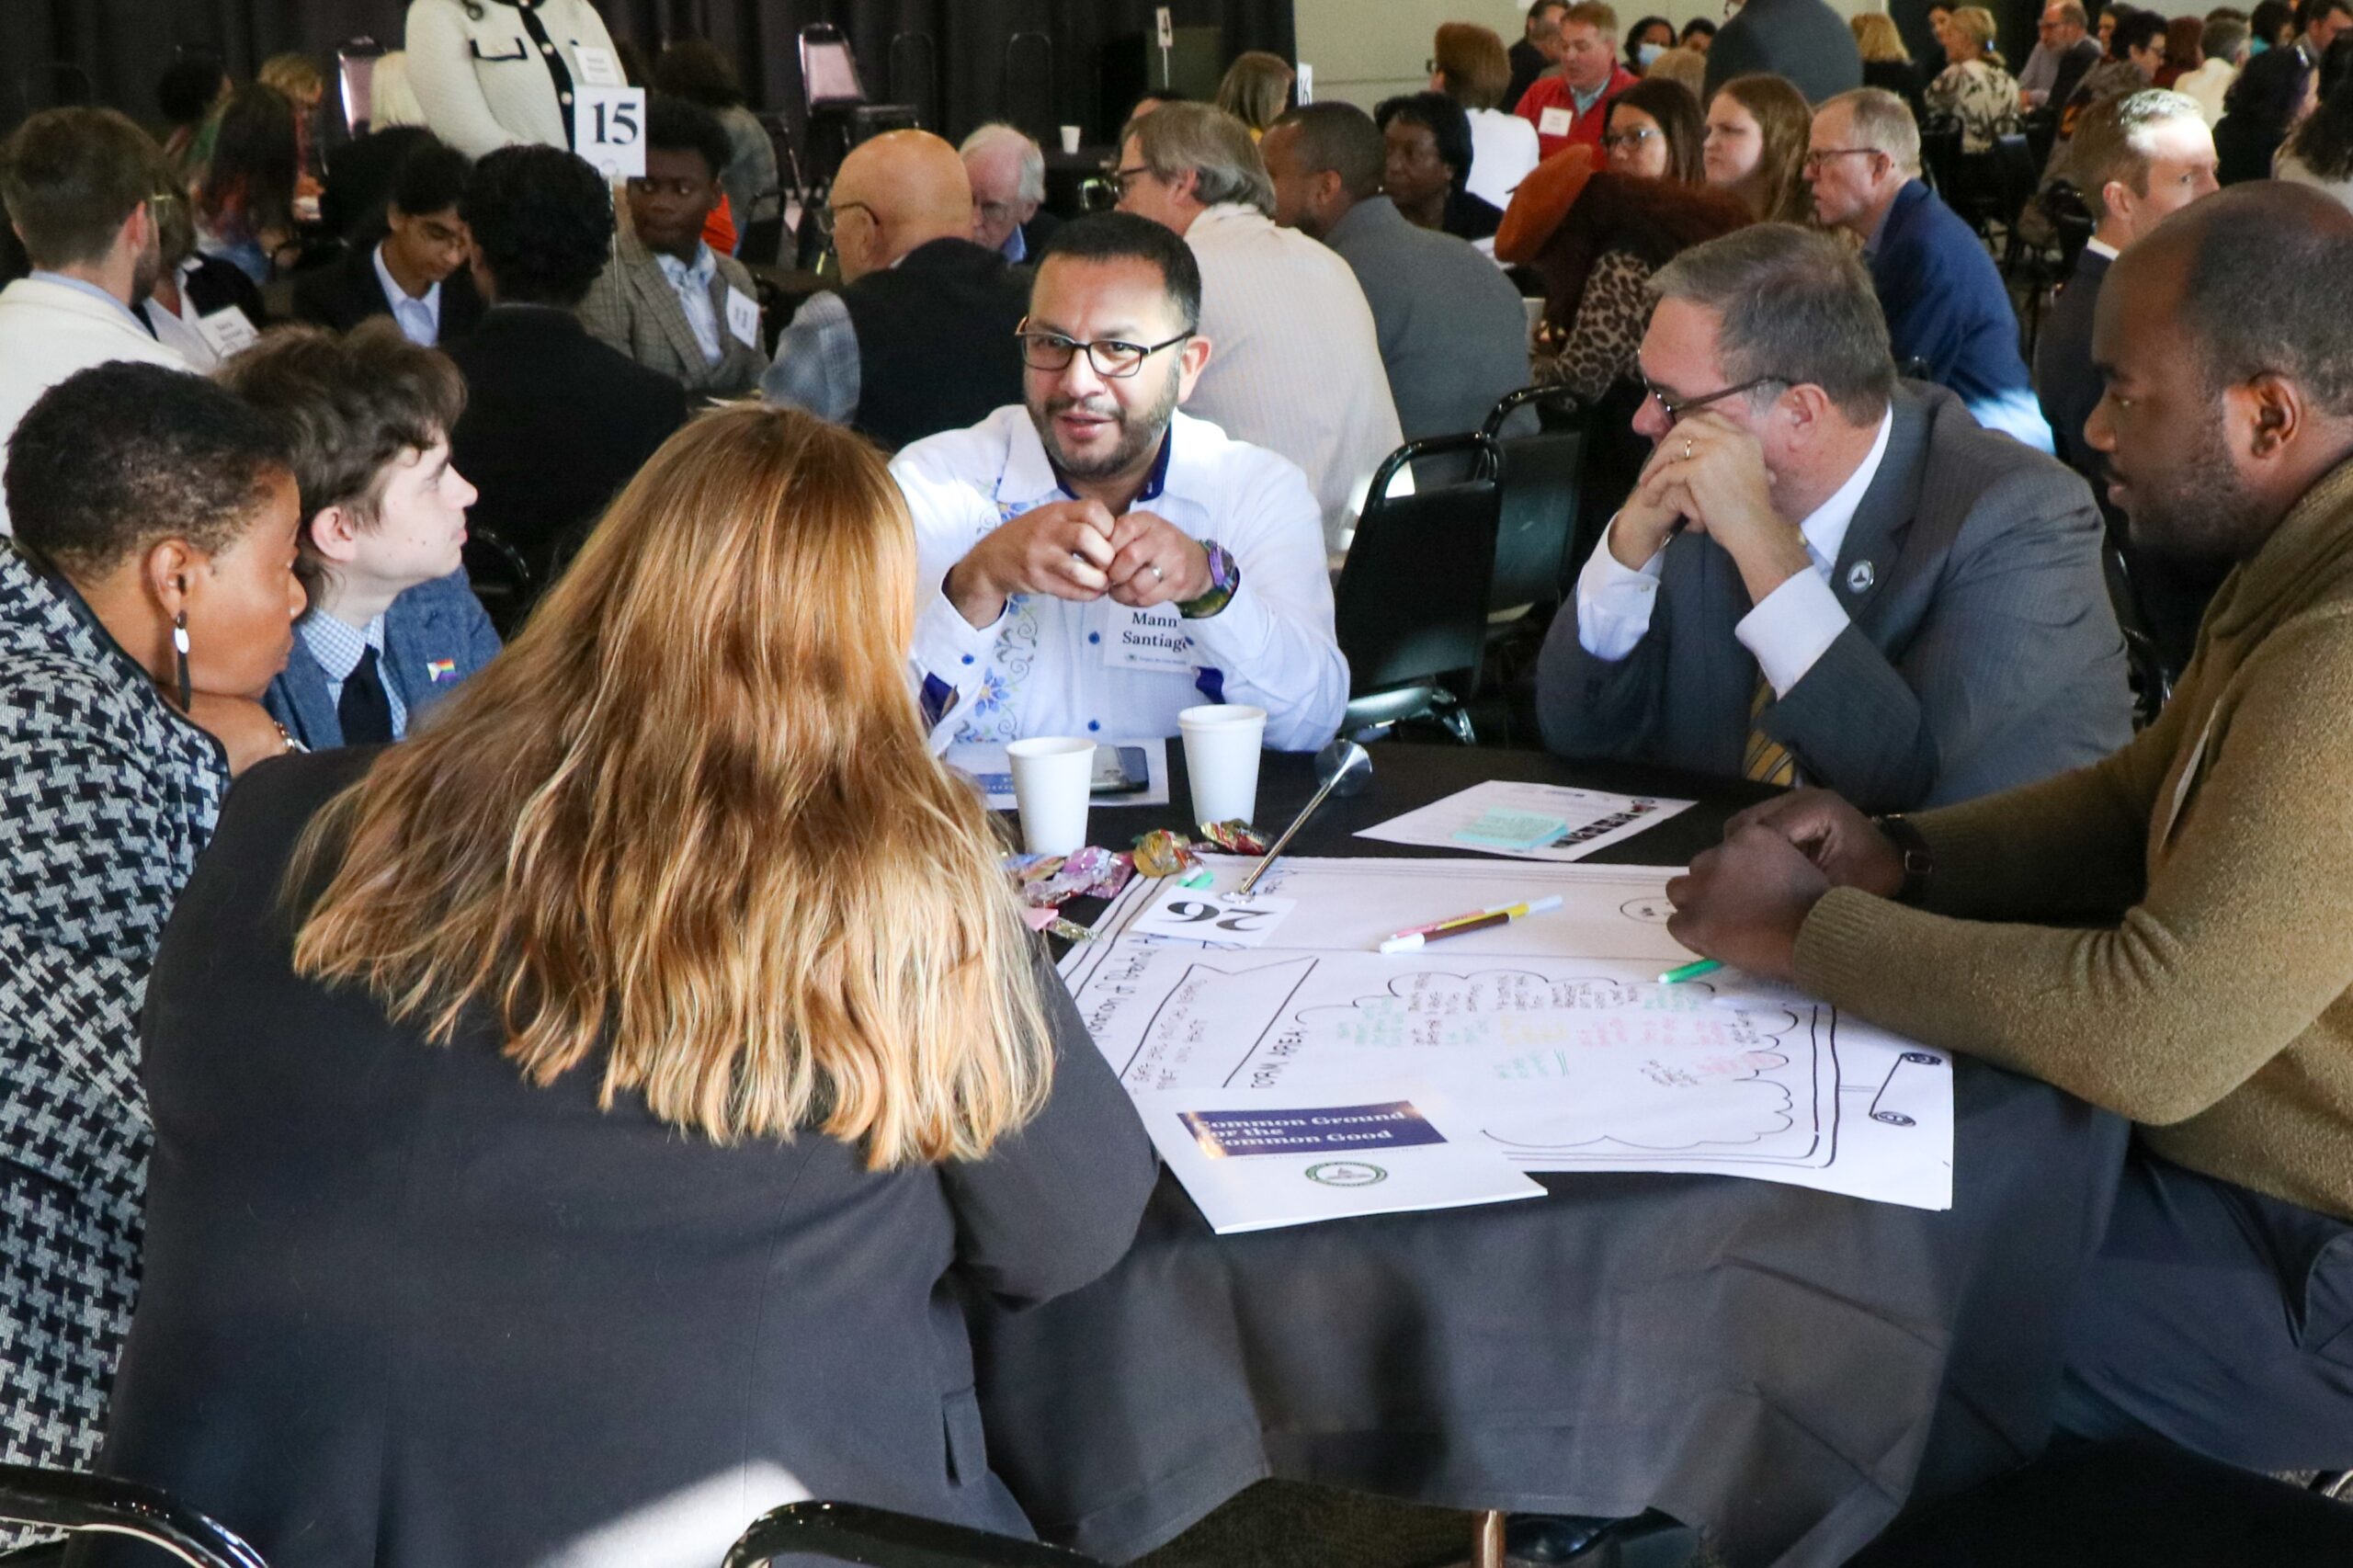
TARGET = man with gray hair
(2064,52)
(1008,174)
(1453,331)
(1945,301)
(1825,575)
(2140,157)
(1298,367)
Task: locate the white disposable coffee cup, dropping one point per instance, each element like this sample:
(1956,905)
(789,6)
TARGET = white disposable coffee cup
(1052,774)
(1221,745)
(1070,138)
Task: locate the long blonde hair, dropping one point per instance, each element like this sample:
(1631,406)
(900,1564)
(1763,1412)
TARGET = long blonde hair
(687,820)
(1255,89)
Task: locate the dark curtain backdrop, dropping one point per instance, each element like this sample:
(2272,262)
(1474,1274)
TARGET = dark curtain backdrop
(962,61)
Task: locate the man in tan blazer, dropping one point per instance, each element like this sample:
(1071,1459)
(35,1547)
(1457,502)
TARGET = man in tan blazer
(668,300)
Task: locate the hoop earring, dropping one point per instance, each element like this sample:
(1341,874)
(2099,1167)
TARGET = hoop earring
(180,658)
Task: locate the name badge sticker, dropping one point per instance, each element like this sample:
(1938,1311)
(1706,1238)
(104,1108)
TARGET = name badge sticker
(227,330)
(598,66)
(1554,121)
(744,317)
(1144,639)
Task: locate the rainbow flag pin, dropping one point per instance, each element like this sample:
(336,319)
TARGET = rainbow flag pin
(439,670)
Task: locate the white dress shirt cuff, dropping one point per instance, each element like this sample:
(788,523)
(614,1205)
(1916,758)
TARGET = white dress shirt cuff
(1614,601)
(951,650)
(1791,628)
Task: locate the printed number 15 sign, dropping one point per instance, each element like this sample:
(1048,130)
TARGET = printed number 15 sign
(608,130)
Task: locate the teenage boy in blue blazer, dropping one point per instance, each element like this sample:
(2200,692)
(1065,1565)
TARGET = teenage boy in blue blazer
(393,626)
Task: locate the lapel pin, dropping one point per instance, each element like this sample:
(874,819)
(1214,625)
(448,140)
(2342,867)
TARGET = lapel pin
(1860,576)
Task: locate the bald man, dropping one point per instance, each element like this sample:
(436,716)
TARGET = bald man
(920,338)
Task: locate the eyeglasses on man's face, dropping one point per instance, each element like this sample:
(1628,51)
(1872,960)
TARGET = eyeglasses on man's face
(829,218)
(1122,178)
(1816,157)
(1675,408)
(1112,359)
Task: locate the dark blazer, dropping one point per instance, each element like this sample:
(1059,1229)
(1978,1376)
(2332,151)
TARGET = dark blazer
(1453,331)
(434,636)
(1528,62)
(403,1307)
(556,423)
(1804,40)
(2065,381)
(1946,304)
(2074,66)
(360,180)
(935,349)
(1982,651)
(348,293)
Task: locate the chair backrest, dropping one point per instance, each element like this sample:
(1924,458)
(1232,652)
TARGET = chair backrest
(1940,153)
(1541,478)
(69,1501)
(2016,175)
(852,1532)
(1411,604)
(828,70)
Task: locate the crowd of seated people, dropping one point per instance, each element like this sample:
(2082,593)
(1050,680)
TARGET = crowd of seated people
(469,512)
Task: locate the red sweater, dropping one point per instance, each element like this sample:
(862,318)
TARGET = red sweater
(1549,92)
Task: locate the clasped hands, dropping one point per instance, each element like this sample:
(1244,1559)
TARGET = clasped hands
(1077,550)
(1709,473)
(1744,902)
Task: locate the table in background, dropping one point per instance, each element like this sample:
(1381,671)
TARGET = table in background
(1783,1367)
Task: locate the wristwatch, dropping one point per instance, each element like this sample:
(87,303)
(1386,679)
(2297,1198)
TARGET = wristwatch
(1919,862)
(1225,576)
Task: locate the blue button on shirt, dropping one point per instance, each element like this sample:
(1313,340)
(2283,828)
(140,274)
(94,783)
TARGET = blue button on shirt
(692,285)
(337,648)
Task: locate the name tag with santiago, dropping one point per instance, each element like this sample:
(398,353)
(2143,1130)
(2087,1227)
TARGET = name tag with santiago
(1151,639)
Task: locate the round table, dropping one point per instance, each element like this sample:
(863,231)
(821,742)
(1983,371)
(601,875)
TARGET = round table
(1784,1368)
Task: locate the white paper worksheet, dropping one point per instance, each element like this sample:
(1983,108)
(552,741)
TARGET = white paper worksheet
(1534,822)
(1552,1034)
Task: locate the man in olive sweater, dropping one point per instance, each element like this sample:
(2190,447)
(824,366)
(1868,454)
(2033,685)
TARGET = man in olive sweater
(2169,932)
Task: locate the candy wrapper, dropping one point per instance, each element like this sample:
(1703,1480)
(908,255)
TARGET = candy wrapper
(1047,881)
(1162,853)
(1236,837)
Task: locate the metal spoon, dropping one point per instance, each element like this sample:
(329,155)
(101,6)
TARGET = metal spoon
(1346,768)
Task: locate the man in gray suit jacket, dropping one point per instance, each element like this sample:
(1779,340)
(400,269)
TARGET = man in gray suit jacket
(668,300)
(1824,576)
(1453,331)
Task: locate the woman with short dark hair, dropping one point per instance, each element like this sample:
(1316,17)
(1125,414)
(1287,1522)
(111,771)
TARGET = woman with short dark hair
(245,192)
(1428,170)
(144,605)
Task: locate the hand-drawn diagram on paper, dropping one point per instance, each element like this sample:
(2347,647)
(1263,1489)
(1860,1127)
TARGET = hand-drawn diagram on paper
(1553,1030)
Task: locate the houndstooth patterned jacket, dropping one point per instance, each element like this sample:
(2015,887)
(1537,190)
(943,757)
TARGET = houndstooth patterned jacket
(106,797)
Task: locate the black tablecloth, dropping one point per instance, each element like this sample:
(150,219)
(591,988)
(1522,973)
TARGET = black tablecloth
(1784,1367)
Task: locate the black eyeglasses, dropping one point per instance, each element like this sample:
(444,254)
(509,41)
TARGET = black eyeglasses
(1675,408)
(1112,359)
(828,218)
(1122,178)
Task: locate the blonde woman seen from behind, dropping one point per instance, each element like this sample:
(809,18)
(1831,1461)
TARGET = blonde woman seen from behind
(1256,89)
(701,1032)
(1973,87)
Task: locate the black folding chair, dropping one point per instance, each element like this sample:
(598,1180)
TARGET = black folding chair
(501,579)
(1537,514)
(1411,604)
(73,1503)
(851,1532)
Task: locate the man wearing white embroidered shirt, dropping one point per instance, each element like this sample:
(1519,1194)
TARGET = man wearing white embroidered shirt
(1825,575)
(1066,542)
(1297,365)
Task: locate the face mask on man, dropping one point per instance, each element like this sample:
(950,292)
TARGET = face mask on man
(1646,52)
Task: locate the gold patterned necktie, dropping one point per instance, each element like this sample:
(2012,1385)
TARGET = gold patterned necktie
(1767,761)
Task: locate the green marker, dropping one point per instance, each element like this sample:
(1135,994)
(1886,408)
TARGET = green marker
(1691,971)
